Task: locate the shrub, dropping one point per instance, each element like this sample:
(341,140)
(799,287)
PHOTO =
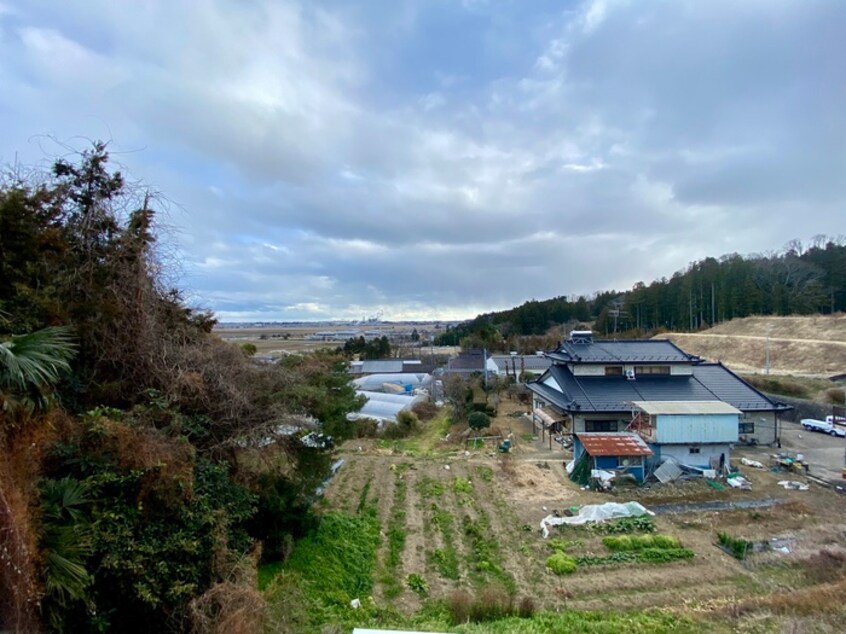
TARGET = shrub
(393,431)
(641,542)
(366,428)
(561,564)
(407,420)
(836,395)
(486,473)
(618,543)
(660,556)
(459,604)
(478,420)
(462,485)
(825,567)
(417,583)
(666,541)
(562,545)
(425,410)
(493,604)
(737,547)
(526,608)
(490,410)
(641,524)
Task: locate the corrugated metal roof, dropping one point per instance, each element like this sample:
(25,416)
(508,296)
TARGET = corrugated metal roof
(617,444)
(686,407)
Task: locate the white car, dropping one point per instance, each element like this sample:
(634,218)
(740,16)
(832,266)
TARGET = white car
(825,427)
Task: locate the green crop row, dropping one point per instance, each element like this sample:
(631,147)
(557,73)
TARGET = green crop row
(641,542)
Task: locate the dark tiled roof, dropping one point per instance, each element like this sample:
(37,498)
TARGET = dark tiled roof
(710,382)
(621,351)
(729,387)
(531,362)
(413,367)
(473,360)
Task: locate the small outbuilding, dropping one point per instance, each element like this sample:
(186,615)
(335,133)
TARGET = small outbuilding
(620,452)
(694,433)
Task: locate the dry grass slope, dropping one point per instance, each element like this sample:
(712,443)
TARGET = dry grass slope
(813,345)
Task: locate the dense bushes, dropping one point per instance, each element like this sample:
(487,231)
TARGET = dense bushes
(492,604)
(172,463)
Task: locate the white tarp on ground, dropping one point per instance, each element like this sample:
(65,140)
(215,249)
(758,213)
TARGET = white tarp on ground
(596,513)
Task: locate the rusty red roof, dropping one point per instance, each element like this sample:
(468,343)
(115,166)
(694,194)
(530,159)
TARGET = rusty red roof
(619,444)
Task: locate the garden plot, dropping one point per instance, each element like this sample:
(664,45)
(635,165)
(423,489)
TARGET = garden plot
(474,525)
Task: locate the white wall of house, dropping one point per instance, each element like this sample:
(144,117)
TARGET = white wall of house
(681,370)
(600,369)
(695,455)
(588,370)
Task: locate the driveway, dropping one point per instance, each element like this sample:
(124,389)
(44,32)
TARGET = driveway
(824,453)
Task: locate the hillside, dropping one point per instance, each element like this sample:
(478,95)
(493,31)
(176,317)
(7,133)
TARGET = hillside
(795,281)
(812,345)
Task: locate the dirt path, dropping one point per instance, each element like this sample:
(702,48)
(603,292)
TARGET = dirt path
(832,342)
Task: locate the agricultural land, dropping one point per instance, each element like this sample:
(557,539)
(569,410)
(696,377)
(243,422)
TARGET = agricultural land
(440,528)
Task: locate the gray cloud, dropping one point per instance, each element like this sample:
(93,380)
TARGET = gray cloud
(329,160)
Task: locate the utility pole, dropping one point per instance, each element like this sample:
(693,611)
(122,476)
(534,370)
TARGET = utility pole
(767,362)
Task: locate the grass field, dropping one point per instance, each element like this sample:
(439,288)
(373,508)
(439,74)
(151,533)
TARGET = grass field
(459,526)
(288,339)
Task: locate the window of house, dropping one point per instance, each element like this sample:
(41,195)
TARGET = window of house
(746,428)
(600,425)
(694,450)
(613,370)
(652,369)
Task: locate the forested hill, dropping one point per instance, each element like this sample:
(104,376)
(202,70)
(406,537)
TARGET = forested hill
(797,280)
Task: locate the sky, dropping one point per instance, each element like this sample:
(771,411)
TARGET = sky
(435,159)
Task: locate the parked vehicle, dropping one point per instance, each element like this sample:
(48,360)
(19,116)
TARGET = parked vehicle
(823,426)
(836,420)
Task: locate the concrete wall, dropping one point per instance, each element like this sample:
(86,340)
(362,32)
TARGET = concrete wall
(766,427)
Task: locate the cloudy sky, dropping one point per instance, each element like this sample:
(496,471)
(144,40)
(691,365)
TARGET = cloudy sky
(435,159)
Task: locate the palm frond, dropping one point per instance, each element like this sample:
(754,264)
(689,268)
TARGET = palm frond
(30,364)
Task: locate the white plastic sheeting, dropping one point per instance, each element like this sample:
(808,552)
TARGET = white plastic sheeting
(375,382)
(384,407)
(596,513)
